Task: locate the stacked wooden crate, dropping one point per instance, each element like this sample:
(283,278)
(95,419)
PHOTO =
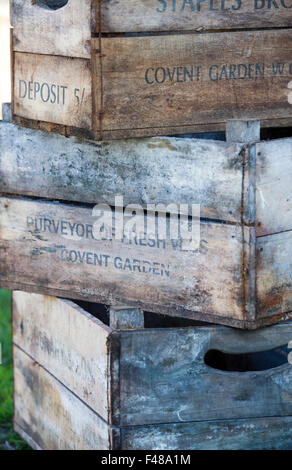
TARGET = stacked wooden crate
(116,68)
(81,384)
(88,377)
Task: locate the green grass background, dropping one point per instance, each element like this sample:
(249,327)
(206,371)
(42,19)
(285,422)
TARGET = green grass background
(8,438)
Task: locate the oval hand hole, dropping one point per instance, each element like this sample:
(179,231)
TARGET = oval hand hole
(250,362)
(51,4)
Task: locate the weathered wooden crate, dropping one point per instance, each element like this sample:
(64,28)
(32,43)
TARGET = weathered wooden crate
(76,68)
(240,274)
(80,384)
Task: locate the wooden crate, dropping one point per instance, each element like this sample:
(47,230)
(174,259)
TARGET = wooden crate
(80,384)
(152,274)
(96,73)
(240,275)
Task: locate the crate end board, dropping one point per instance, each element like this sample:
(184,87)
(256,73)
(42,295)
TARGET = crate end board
(53,89)
(158,85)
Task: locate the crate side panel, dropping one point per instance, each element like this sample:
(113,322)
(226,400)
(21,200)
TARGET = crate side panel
(164,377)
(68,342)
(157,275)
(50,414)
(186,80)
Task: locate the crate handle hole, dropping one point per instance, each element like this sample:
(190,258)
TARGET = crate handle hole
(51,4)
(247,362)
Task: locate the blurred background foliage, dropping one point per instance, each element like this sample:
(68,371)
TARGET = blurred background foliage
(8,439)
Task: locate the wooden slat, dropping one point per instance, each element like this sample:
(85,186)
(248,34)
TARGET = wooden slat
(164,379)
(274,274)
(185,80)
(173,15)
(273,186)
(68,342)
(149,171)
(50,414)
(53,89)
(205,284)
(40,30)
(66,31)
(134,133)
(244,434)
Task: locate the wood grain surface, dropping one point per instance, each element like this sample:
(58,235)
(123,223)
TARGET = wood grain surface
(67,341)
(151,273)
(50,414)
(53,89)
(161,170)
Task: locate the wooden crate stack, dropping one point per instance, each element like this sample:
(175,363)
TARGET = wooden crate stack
(144,372)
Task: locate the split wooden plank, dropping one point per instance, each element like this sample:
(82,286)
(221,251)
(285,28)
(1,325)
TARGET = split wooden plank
(50,414)
(273,186)
(146,171)
(68,342)
(53,89)
(159,275)
(43,30)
